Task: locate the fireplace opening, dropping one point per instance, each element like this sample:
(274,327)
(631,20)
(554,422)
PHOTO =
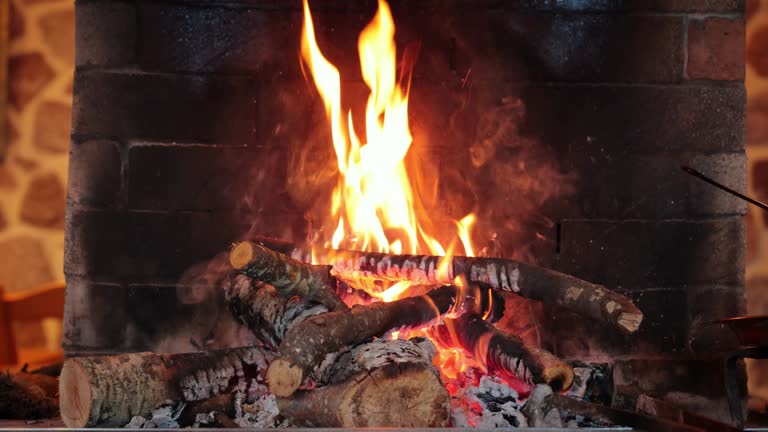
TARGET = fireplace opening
(387,213)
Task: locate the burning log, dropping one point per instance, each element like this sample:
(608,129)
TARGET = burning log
(267,314)
(289,276)
(307,344)
(587,299)
(384,383)
(110,390)
(505,353)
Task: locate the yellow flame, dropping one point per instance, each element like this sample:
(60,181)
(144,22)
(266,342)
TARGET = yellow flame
(372,206)
(464,226)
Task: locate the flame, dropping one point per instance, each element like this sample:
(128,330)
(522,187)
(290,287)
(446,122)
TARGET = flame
(372,205)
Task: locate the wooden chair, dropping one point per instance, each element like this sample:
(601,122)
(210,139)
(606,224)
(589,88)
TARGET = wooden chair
(46,301)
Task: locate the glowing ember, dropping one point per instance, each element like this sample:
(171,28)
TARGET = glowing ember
(372,205)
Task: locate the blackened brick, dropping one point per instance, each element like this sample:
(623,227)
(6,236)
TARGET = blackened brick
(734,6)
(177,37)
(185,177)
(94,173)
(707,304)
(605,123)
(664,329)
(105,34)
(618,120)
(653,186)
(676,380)
(729,169)
(208,110)
(512,45)
(426,6)
(94,316)
(139,246)
(716,49)
(637,254)
(569,47)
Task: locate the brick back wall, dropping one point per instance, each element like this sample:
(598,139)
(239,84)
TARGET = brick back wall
(184,113)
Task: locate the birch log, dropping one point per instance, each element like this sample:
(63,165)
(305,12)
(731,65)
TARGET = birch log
(110,390)
(267,314)
(384,383)
(307,344)
(289,276)
(533,282)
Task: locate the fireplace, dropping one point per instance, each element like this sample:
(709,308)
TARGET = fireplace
(561,125)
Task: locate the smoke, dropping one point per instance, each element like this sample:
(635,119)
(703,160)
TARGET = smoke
(202,320)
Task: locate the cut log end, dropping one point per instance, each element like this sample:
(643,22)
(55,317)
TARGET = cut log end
(558,374)
(284,377)
(241,255)
(630,321)
(75,395)
(396,396)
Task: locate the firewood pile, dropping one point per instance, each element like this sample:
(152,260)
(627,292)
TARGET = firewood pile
(322,363)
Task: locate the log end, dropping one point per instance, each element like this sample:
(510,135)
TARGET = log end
(408,395)
(284,377)
(630,321)
(75,395)
(554,372)
(559,377)
(241,255)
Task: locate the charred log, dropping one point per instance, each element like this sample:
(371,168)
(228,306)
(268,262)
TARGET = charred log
(110,390)
(537,283)
(289,276)
(505,353)
(307,344)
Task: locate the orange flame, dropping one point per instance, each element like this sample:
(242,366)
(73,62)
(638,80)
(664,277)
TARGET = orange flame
(372,206)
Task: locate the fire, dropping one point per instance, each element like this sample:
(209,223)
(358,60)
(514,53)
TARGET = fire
(372,206)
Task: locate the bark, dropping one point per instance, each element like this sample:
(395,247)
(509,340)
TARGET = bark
(537,283)
(22,398)
(504,353)
(384,383)
(267,314)
(289,276)
(110,390)
(307,344)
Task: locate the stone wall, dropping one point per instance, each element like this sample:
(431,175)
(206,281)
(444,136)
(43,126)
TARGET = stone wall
(34,173)
(757,153)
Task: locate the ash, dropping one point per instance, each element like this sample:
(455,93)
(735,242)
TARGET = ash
(164,417)
(262,414)
(484,402)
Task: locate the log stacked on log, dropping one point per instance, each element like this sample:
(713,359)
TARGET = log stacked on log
(110,390)
(351,376)
(505,353)
(537,283)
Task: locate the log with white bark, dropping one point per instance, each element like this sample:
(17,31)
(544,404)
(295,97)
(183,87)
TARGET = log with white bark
(533,282)
(289,276)
(504,353)
(384,383)
(267,314)
(110,390)
(307,344)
